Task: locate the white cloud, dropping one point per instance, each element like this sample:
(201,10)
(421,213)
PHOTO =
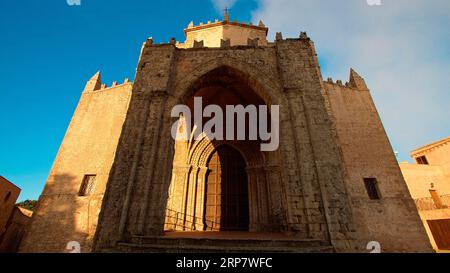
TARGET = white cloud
(73,2)
(401,47)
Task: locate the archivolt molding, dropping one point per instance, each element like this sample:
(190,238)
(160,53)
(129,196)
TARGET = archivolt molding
(269,89)
(204,148)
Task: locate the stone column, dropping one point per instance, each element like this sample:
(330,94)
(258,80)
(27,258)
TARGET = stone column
(191,199)
(176,210)
(252,200)
(263,198)
(200,200)
(276,199)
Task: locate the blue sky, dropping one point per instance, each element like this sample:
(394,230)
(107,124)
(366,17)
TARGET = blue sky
(401,48)
(49,50)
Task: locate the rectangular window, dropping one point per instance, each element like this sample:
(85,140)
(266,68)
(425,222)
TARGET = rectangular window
(372,188)
(422,160)
(87,186)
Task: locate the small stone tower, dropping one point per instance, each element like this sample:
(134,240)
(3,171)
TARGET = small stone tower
(224,33)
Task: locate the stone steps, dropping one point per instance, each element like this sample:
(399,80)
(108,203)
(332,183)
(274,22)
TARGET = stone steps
(124,247)
(222,245)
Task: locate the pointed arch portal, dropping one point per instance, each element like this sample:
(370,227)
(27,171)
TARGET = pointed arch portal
(223,185)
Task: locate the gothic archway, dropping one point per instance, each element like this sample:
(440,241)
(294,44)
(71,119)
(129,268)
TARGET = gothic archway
(187,202)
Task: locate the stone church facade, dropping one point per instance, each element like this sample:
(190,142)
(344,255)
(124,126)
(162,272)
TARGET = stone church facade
(120,182)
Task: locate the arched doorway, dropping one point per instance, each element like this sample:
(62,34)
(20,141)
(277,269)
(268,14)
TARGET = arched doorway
(226,194)
(257,201)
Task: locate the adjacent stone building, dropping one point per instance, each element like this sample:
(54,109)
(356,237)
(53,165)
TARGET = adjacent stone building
(18,223)
(8,197)
(14,220)
(120,182)
(428,180)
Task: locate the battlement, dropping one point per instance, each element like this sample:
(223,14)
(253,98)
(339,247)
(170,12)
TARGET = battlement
(339,83)
(226,21)
(95,84)
(355,82)
(216,23)
(227,43)
(213,33)
(115,84)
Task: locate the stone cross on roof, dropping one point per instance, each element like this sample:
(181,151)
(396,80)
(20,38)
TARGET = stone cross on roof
(226,16)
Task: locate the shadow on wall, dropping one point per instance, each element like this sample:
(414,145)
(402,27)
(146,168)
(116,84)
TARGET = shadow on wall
(18,222)
(60,223)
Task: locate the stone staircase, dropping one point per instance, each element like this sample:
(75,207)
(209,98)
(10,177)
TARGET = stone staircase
(165,244)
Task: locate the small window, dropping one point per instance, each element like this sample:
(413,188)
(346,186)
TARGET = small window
(87,186)
(422,160)
(372,188)
(8,195)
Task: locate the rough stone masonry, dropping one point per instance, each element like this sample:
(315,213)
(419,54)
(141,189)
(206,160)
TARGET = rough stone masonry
(121,182)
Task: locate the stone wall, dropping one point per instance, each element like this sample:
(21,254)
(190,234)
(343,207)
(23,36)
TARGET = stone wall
(419,179)
(427,215)
(88,148)
(422,179)
(211,34)
(393,220)
(315,203)
(8,197)
(437,153)
(15,230)
(331,138)
(240,35)
(317,159)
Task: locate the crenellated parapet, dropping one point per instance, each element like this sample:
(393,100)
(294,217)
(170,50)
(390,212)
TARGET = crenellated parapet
(355,82)
(219,39)
(95,84)
(226,21)
(213,32)
(216,22)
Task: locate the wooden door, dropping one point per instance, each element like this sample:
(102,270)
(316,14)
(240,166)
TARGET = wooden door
(226,202)
(441,232)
